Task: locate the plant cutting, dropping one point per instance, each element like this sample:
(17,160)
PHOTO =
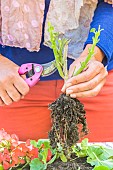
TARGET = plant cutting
(68,114)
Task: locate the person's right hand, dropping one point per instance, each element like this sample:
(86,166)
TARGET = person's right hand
(12,86)
(109,1)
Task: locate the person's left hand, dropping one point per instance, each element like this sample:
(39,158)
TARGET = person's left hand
(89,82)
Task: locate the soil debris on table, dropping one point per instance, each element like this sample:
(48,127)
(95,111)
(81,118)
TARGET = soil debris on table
(78,164)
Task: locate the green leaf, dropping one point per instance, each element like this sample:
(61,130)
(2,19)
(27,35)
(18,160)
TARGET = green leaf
(93,30)
(45,142)
(94,152)
(84,143)
(44,154)
(82,150)
(53,159)
(107,153)
(1,167)
(108,163)
(34,143)
(36,164)
(63,157)
(40,156)
(101,168)
(95,157)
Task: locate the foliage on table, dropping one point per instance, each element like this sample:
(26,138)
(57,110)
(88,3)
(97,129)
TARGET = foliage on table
(39,154)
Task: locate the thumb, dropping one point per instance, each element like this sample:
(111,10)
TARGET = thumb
(73,68)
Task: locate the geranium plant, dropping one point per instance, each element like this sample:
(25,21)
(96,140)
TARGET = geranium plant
(13,153)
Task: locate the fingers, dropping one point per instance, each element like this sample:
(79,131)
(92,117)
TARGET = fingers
(21,86)
(5,97)
(90,85)
(13,93)
(1,102)
(12,86)
(90,93)
(93,69)
(73,67)
(109,1)
(12,90)
(87,83)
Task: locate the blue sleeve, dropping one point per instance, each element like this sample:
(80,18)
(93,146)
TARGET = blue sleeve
(103,16)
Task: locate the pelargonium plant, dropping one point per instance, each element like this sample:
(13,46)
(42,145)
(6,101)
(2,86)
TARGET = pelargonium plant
(16,155)
(13,153)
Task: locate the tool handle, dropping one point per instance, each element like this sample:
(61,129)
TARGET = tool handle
(33,80)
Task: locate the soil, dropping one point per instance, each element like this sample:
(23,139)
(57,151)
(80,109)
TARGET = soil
(77,164)
(68,122)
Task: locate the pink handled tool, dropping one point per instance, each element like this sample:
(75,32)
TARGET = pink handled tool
(33,72)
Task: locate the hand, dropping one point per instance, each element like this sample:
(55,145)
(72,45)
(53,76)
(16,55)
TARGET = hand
(90,81)
(109,1)
(12,85)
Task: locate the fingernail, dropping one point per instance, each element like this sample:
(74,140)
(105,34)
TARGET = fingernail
(68,85)
(69,91)
(22,97)
(73,95)
(63,88)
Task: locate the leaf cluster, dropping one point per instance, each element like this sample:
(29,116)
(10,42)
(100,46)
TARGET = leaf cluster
(100,157)
(41,162)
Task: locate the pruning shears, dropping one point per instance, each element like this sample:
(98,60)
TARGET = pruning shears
(33,71)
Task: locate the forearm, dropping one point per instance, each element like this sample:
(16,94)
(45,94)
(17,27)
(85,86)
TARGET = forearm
(98,55)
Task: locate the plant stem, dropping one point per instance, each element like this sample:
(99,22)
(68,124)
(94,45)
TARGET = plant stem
(91,51)
(65,70)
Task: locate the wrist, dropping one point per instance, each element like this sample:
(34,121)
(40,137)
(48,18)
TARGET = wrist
(98,54)
(1,57)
